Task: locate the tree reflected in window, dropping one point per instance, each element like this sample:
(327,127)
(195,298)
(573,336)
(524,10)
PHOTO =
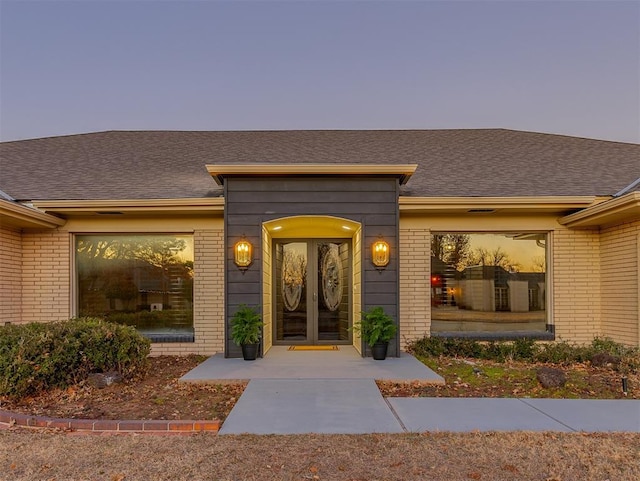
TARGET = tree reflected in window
(144,281)
(488,284)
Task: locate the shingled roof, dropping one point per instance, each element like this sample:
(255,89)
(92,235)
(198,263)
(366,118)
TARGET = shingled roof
(171,164)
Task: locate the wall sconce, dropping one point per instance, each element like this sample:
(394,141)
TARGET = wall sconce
(380,254)
(242,252)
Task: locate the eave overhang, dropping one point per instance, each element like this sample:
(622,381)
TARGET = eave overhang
(111,207)
(613,211)
(494,205)
(402,171)
(24,217)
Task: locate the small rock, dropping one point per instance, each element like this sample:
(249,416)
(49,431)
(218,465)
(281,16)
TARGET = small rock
(603,359)
(101,380)
(551,377)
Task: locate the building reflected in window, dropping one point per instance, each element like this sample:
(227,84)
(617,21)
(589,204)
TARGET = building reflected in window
(488,284)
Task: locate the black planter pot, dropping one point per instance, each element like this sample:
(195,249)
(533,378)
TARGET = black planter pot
(250,351)
(379,351)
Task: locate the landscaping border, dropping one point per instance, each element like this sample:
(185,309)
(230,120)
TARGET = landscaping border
(110,426)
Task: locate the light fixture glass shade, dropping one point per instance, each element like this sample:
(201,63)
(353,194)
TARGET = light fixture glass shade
(380,254)
(243,254)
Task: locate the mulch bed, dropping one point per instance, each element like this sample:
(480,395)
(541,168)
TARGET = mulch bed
(156,396)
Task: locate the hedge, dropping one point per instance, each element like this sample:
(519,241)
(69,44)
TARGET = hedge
(36,357)
(560,352)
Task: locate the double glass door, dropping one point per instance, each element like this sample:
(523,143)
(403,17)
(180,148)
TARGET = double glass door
(312,291)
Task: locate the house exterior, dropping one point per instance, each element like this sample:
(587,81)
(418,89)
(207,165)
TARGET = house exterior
(480,233)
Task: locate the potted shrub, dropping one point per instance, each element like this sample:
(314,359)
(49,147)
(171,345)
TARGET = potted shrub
(246,329)
(376,328)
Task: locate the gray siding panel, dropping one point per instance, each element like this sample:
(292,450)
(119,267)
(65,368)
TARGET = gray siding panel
(299,207)
(285,197)
(372,201)
(308,184)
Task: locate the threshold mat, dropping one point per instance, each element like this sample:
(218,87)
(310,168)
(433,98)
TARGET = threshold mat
(313,348)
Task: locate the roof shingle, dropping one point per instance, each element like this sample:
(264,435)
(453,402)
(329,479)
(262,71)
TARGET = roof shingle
(171,164)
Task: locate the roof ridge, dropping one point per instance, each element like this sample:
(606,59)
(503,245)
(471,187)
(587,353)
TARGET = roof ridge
(4,195)
(290,131)
(48,137)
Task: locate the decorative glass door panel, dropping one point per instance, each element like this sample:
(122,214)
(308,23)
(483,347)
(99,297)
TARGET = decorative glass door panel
(312,292)
(291,291)
(333,291)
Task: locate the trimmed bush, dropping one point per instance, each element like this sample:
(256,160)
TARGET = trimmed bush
(560,352)
(36,357)
(563,352)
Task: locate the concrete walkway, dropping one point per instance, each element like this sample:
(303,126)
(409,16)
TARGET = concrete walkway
(511,414)
(280,363)
(334,392)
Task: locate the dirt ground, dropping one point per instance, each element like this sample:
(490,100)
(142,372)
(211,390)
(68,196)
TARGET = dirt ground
(159,395)
(405,457)
(27,454)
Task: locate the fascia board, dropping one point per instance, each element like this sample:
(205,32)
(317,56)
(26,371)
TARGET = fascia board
(543,204)
(220,171)
(138,206)
(23,216)
(608,212)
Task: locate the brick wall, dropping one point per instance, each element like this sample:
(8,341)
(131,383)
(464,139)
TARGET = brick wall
(576,285)
(46,286)
(208,298)
(415,271)
(46,276)
(574,272)
(10,275)
(619,251)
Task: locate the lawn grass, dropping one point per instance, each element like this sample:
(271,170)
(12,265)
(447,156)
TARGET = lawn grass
(486,378)
(390,457)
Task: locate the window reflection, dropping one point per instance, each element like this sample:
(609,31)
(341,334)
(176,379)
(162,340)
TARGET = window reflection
(144,281)
(488,283)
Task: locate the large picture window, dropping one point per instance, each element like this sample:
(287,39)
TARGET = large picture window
(144,281)
(489,285)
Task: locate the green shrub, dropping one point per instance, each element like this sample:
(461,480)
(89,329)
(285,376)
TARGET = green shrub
(523,349)
(447,346)
(563,352)
(560,352)
(38,356)
(464,348)
(604,344)
(427,347)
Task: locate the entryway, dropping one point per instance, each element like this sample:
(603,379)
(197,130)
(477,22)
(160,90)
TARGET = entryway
(311,391)
(312,291)
(281,363)
(311,281)
(267,204)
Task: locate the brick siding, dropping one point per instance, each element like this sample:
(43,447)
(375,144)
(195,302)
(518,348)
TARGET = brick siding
(46,276)
(10,275)
(576,285)
(415,272)
(619,247)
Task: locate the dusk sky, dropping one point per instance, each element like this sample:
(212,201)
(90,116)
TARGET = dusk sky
(566,67)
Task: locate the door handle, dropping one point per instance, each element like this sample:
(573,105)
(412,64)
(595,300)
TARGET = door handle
(315,297)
